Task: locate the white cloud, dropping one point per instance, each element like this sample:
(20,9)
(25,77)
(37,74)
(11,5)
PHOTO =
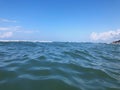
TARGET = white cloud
(6,34)
(7,20)
(105,36)
(4,28)
(8,31)
(13,28)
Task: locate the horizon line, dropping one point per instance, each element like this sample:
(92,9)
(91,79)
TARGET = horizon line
(37,41)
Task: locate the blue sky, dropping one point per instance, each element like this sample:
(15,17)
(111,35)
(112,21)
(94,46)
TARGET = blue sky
(60,20)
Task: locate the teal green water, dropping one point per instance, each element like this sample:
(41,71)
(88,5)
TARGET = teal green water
(59,66)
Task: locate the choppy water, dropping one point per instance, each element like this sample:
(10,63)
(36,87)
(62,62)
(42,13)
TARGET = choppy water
(59,66)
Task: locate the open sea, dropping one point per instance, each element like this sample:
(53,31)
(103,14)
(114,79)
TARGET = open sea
(59,66)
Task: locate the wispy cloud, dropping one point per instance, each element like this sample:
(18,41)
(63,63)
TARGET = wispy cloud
(12,28)
(10,31)
(13,31)
(105,36)
(7,20)
(4,28)
(6,34)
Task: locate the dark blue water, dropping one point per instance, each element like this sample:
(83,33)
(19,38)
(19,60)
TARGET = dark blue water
(59,66)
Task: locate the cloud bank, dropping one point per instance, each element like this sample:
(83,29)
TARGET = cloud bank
(105,36)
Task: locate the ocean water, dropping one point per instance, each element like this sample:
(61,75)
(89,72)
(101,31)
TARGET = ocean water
(59,66)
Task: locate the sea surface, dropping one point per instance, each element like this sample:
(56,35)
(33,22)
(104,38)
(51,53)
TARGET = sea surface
(59,66)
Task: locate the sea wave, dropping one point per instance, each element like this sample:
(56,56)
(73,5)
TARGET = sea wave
(59,66)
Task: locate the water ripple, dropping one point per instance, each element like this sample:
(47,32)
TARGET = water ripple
(59,66)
